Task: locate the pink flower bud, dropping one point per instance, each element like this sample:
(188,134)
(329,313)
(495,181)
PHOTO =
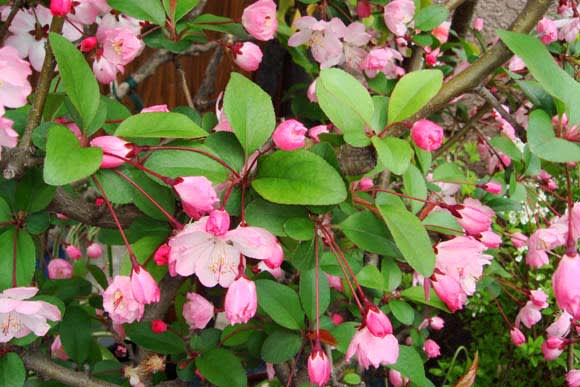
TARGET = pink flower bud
(87,44)
(316,131)
(144,287)
(218,222)
(566,285)
(335,282)
(73,252)
(363,9)
(197,195)
(475,217)
(58,268)
(427,135)
(158,326)
(241,301)
(156,109)
(161,256)
(365,184)
(490,239)
(259,19)
(377,322)
(61,216)
(396,379)
(289,135)
(441,32)
(539,298)
(60,7)
(547,30)
(275,261)
(478,24)
(94,250)
(553,347)
(57,349)
(247,55)
(517,337)
(436,323)
(197,311)
(105,71)
(573,378)
(450,291)
(492,187)
(518,240)
(113,146)
(529,315)
(431,349)
(311,92)
(336,319)
(318,367)
(397,14)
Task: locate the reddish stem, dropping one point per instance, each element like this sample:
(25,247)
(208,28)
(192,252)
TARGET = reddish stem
(165,179)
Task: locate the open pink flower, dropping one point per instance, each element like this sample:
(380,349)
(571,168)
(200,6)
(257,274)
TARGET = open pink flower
(144,287)
(216,258)
(241,301)
(373,350)
(14,84)
(259,19)
(441,32)
(561,325)
(398,14)
(105,71)
(547,30)
(197,195)
(121,46)
(119,302)
(19,317)
(566,285)
(87,11)
(290,135)
(8,136)
(382,60)
(539,298)
(197,311)
(115,146)
(322,37)
(58,268)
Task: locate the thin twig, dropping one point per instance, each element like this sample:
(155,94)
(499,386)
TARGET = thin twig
(183,79)
(6,25)
(493,101)
(207,87)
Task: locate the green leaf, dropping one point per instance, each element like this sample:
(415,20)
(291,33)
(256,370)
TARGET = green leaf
(368,232)
(250,112)
(507,146)
(222,368)
(175,163)
(25,257)
(308,293)
(77,78)
(164,343)
(150,10)
(443,222)
(280,303)
(32,194)
(75,333)
(280,346)
(12,371)
(5,211)
(449,172)
(66,161)
(431,17)
(417,294)
(300,229)
(393,153)
(412,92)
(162,195)
(415,186)
(402,311)
(117,189)
(410,364)
(371,277)
(391,274)
(272,217)
(346,103)
(539,61)
(183,7)
(98,275)
(159,124)
(544,143)
(298,177)
(410,237)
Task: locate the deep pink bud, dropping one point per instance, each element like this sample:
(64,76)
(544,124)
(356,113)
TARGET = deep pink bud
(336,319)
(114,146)
(552,348)
(60,7)
(318,367)
(377,322)
(427,135)
(492,187)
(158,326)
(316,131)
(144,287)
(197,195)
(450,291)
(436,323)
(539,298)
(57,349)
(88,44)
(490,239)
(363,8)
(365,184)
(197,311)
(518,239)
(517,337)
(259,19)
(241,301)
(58,268)
(290,135)
(275,261)
(218,222)
(573,378)
(431,348)
(396,379)
(247,55)
(478,24)
(335,282)
(161,256)
(94,250)
(73,252)
(567,286)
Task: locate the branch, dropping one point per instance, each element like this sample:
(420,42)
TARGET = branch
(4,29)
(492,100)
(46,368)
(207,87)
(462,17)
(452,4)
(183,79)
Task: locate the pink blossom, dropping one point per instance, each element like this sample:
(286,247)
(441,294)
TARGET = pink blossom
(373,350)
(431,56)
(547,30)
(475,217)
(197,311)
(161,256)
(397,14)
(259,19)
(241,301)
(57,349)
(14,84)
(569,30)
(158,326)
(144,287)
(396,379)
(478,24)
(539,298)
(247,55)
(121,46)
(490,239)
(573,378)
(561,326)
(516,64)
(323,38)
(492,187)
(536,258)
(197,195)
(336,319)
(87,11)
(529,315)
(363,9)
(105,71)
(518,239)
(517,337)
(216,258)
(223,124)
(8,136)
(276,259)
(382,60)
(318,367)
(436,323)
(60,7)
(316,131)
(449,291)
(311,93)
(19,317)
(87,44)
(427,135)
(335,282)
(73,252)
(290,135)
(119,302)
(441,32)
(552,348)
(114,150)
(566,285)
(365,184)
(377,322)
(431,349)
(58,268)
(156,109)
(355,38)
(218,223)
(94,250)
(277,273)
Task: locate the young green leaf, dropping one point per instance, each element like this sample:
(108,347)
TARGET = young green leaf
(412,92)
(150,10)
(544,143)
(222,368)
(280,303)
(159,124)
